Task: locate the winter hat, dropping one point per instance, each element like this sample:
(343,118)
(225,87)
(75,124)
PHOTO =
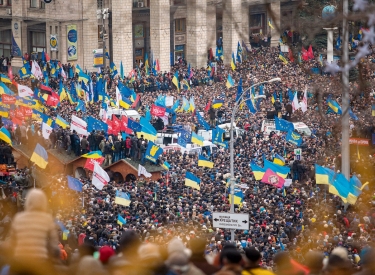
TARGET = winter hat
(105,253)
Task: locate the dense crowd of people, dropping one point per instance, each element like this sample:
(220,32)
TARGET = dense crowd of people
(300,229)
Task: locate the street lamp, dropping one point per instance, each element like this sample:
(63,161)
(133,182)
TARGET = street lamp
(231,149)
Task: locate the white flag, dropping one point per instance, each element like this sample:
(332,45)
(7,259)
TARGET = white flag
(46,130)
(79,125)
(118,97)
(99,177)
(35,70)
(303,103)
(63,74)
(295,103)
(143,171)
(24,91)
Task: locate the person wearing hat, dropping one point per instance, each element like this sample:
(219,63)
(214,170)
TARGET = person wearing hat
(252,260)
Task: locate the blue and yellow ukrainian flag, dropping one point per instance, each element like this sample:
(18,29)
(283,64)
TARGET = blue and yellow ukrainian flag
(197,139)
(192,181)
(113,69)
(238,197)
(83,77)
(258,171)
(373,110)
(270,24)
(5,90)
(185,104)
(233,62)
(335,107)
(5,79)
(5,135)
(192,104)
(282,171)
(323,175)
(120,220)
(175,80)
(40,156)
(283,59)
(93,155)
(279,160)
(4,112)
(78,69)
(166,165)
(125,103)
(148,132)
(203,162)
(122,198)
(61,122)
(230,82)
(217,103)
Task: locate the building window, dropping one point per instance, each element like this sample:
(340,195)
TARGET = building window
(179,2)
(34,3)
(140,4)
(1,2)
(179,52)
(180,25)
(257,23)
(9,2)
(42,5)
(5,44)
(38,42)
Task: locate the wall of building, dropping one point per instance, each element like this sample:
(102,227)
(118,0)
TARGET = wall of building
(135,31)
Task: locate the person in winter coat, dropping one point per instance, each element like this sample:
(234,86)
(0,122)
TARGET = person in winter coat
(33,236)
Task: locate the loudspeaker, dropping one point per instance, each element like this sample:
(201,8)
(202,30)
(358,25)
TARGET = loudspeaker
(47,1)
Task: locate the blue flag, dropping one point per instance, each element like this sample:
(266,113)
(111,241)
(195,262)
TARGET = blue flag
(95,124)
(294,138)
(74,184)
(283,125)
(202,122)
(153,152)
(135,126)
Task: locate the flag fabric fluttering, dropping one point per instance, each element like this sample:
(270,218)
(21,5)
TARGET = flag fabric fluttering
(122,198)
(203,162)
(258,171)
(192,181)
(230,82)
(5,135)
(197,139)
(272,178)
(120,220)
(233,62)
(40,156)
(142,171)
(74,184)
(279,160)
(100,177)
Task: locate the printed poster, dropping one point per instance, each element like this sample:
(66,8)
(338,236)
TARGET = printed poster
(72,42)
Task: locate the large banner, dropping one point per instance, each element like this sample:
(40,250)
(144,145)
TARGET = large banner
(16,38)
(53,43)
(72,42)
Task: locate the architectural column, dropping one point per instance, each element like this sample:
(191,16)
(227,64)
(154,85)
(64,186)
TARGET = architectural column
(211,26)
(122,34)
(274,15)
(245,36)
(160,29)
(196,31)
(62,43)
(89,35)
(231,27)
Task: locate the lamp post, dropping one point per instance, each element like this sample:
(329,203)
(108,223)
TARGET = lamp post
(231,148)
(345,150)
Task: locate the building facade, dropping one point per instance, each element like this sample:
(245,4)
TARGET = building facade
(70,31)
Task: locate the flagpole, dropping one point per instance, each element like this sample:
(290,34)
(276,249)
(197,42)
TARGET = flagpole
(231,148)
(83,200)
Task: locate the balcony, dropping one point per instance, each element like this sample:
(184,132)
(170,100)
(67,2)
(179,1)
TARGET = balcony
(141,4)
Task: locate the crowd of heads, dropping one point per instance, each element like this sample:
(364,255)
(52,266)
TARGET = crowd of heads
(169,226)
